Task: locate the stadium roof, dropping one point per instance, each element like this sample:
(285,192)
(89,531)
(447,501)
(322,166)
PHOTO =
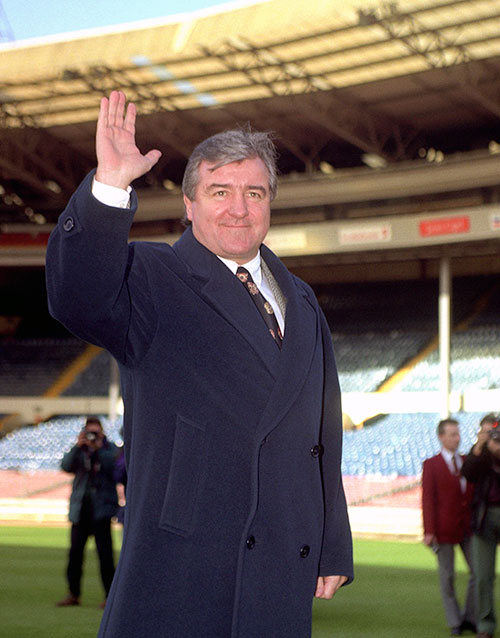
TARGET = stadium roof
(353,90)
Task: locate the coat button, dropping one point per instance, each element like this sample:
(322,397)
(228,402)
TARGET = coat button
(69,224)
(316,451)
(250,542)
(304,551)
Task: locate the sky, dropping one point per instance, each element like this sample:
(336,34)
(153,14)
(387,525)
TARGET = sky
(23,19)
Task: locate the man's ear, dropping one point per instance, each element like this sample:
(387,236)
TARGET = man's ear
(188,206)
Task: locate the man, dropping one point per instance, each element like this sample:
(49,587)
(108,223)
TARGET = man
(482,468)
(446,499)
(235,515)
(92,504)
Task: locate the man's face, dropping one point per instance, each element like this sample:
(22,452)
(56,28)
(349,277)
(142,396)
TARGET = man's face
(230,214)
(450,439)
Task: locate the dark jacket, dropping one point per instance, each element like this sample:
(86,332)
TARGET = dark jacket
(479,470)
(235,501)
(95,474)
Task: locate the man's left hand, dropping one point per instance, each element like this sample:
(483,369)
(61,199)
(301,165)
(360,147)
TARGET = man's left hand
(328,585)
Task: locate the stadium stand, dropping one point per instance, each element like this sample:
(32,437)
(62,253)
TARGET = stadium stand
(379,327)
(42,447)
(475,356)
(398,444)
(365,361)
(94,380)
(395,446)
(28,367)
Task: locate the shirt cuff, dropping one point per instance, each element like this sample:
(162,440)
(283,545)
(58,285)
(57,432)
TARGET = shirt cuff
(111,195)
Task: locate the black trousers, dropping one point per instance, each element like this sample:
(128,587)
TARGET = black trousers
(80,532)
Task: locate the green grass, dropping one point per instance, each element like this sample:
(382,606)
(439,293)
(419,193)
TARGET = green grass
(394,595)
(32,579)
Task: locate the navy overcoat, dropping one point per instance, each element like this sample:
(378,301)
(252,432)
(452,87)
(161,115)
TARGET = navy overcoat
(235,502)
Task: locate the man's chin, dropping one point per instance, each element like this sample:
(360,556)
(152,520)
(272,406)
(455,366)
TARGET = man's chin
(241,252)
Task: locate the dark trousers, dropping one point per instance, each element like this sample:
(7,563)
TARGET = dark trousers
(80,532)
(484,551)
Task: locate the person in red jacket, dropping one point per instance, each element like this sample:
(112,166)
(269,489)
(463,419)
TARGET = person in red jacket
(446,506)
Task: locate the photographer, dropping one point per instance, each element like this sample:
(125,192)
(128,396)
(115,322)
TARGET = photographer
(482,467)
(92,504)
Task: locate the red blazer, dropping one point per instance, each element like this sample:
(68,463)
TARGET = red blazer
(446,510)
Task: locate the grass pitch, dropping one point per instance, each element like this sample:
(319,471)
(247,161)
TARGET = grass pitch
(395,593)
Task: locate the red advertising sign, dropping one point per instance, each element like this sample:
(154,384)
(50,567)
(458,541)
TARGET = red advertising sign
(444,226)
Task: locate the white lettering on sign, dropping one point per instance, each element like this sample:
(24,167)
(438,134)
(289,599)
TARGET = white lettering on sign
(280,240)
(365,234)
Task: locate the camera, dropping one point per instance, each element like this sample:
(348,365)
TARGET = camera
(494,433)
(90,436)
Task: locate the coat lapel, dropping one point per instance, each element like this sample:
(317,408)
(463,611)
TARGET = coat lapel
(302,333)
(226,295)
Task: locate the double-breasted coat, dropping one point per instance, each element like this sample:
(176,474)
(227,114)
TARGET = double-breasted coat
(235,502)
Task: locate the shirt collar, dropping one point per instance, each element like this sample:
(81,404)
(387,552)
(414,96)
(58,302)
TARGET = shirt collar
(253,267)
(447,455)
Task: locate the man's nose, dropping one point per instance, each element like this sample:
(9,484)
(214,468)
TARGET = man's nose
(239,205)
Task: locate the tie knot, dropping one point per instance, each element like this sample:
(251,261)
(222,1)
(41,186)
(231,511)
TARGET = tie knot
(246,279)
(243,274)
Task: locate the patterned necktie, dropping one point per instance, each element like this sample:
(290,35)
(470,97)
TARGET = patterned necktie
(263,306)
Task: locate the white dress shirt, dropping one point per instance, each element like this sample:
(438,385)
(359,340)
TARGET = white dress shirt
(255,270)
(448,457)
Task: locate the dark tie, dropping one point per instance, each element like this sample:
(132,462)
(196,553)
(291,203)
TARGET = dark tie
(455,466)
(264,307)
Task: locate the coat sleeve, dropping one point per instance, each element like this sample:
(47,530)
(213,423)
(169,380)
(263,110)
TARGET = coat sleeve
(475,467)
(428,498)
(95,286)
(70,461)
(336,554)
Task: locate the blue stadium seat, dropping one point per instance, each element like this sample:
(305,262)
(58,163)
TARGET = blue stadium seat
(42,447)
(399,443)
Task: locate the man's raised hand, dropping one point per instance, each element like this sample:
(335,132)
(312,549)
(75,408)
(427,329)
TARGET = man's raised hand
(119,161)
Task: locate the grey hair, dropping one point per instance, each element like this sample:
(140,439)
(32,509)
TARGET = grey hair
(231,146)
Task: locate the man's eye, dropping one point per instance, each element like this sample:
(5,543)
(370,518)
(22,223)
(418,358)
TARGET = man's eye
(220,193)
(254,195)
